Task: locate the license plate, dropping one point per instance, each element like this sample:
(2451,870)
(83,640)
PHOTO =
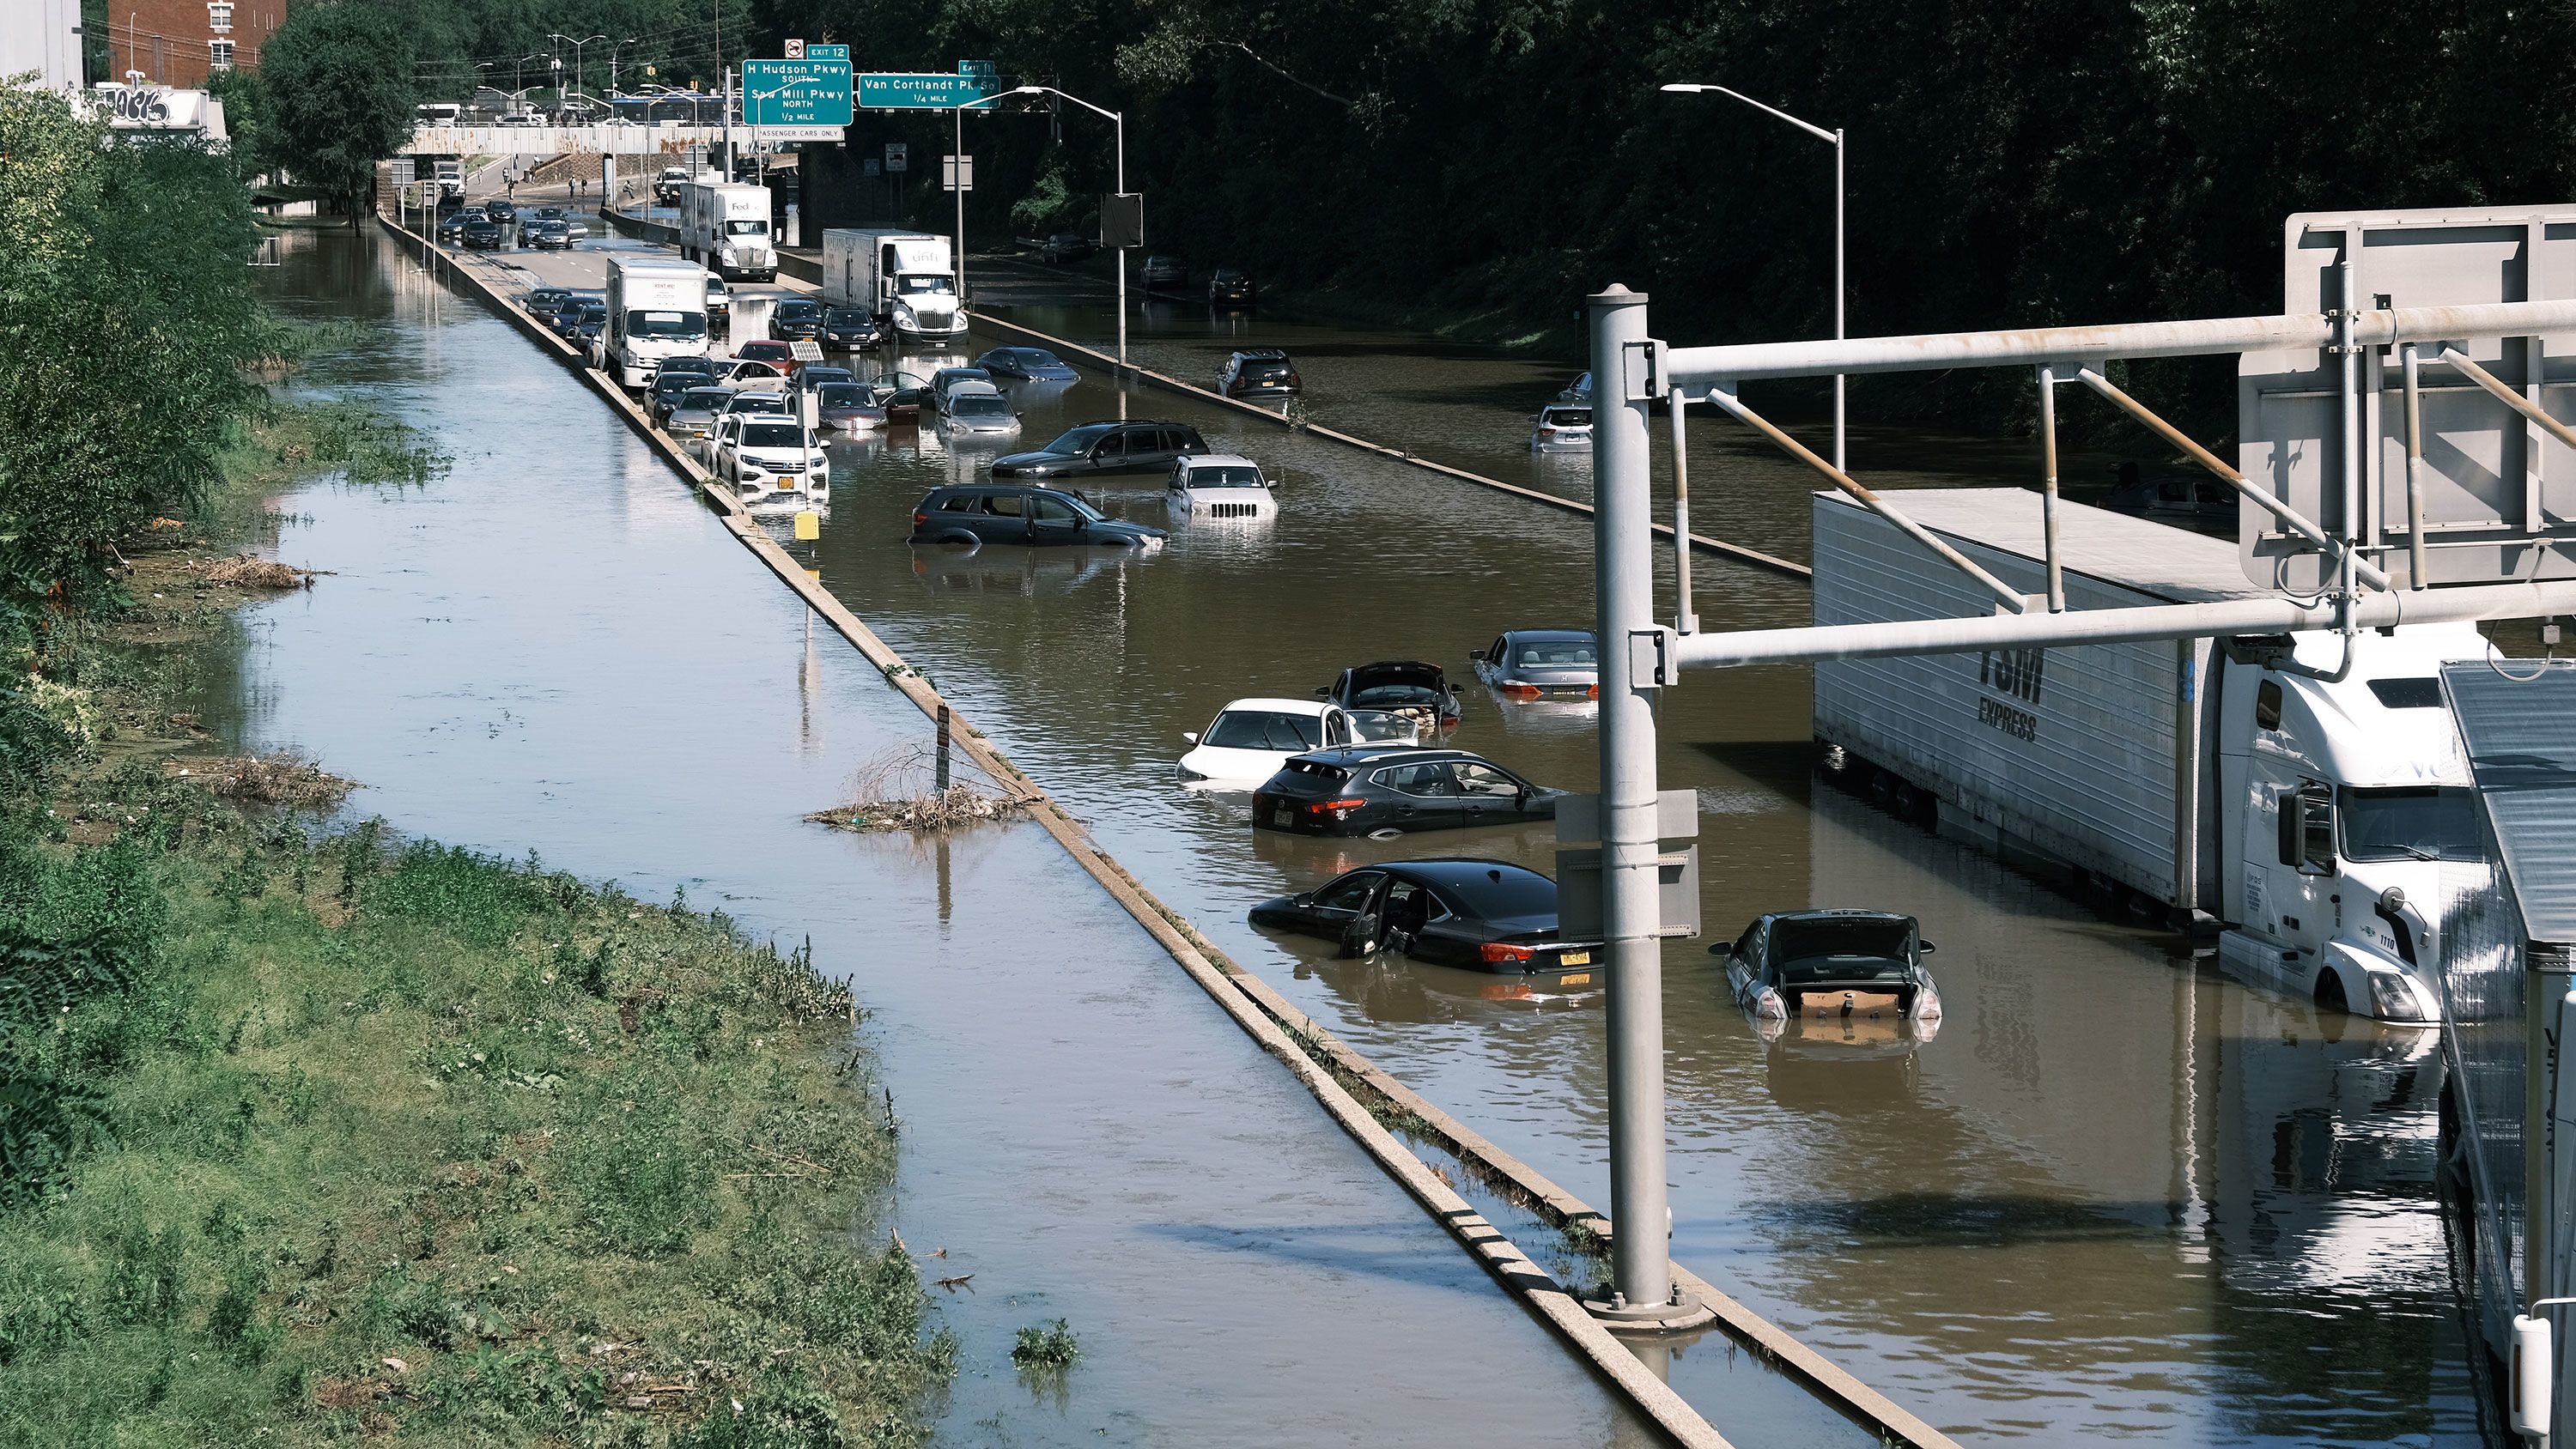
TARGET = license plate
(1279,818)
(1579,978)
(1575,958)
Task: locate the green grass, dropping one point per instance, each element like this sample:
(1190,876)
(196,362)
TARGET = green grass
(1046,1346)
(346,1142)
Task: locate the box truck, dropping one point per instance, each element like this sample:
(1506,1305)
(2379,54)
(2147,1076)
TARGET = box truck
(726,227)
(2303,800)
(906,280)
(657,308)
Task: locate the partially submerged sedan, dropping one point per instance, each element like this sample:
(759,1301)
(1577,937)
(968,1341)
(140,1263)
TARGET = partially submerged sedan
(1406,686)
(1482,915)
(1534,664)
(1837,966)
(1391,789)
(1563,428)
(1251,739)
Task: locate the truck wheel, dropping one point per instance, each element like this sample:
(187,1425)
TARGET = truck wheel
(2330,993)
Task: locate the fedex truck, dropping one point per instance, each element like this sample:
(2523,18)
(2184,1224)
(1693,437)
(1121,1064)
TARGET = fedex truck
(907,280)
(657,308)
(726,227)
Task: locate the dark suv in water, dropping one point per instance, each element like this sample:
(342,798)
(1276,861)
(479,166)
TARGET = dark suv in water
(1107,447)
(1232,287)
(980,513)
(483,235)
(1258,372)
(796,319)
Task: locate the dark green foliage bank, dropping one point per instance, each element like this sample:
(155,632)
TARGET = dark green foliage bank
(303,1139)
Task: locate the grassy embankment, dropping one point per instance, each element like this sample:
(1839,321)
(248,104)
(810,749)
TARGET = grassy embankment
(308,1138)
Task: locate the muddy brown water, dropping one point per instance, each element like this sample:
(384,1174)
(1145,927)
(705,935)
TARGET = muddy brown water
(2118,1196)
(557,648)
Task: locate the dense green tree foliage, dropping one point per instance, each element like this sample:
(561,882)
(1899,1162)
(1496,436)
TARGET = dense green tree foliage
(337,93)
(2011,162)
(126,326)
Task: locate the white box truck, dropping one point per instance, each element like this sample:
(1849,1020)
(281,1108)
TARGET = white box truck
(907,280)
(657,308)
(726,227)
(2311,815)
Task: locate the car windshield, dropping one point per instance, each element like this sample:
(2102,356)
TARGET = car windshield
(1502,892)
(796,310)
(758,402)
(1558,654)
(709,398)
(1224,477)
(1078,442)
(1249,729)
(2416,822)
(666,324)
(923,286)
(841,395)
(773,435)
(979,405)
(741,227)
(1842,950)
(843,317)
(1034,357)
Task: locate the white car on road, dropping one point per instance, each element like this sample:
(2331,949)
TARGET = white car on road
(770,461)
(1251,740)
(1219,485)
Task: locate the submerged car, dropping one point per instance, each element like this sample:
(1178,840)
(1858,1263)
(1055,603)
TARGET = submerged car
(1250,740)
(780,355)
(663,393)
(1219,485)
(1106,447)
(1482,915)
(848,407)
(1232,287)
(1847,965)
(1563,428)
(770,461)
(949,377)
(1533,664)
(544,302)
(1167,272)
(1370,789)
(977,410)
(849,329)
(796,319)
(1258,372)
(693,414)
(698,363)
(483,235)
(1027,364)
(1406,686)
(975,514)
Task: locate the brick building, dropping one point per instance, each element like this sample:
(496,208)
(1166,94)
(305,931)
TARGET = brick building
(179,43)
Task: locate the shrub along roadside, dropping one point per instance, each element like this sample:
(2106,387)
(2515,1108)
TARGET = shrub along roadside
(353,1140)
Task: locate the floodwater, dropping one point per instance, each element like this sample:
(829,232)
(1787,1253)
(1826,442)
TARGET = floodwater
(2118,1196)
(557,648)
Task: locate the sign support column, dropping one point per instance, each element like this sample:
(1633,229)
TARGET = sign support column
(1644,1295)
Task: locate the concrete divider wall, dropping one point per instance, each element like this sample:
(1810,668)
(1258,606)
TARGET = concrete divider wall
(1351,1088)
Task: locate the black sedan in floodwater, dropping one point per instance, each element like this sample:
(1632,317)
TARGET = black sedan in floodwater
(1482,915)
(1364,789)
(1851,968)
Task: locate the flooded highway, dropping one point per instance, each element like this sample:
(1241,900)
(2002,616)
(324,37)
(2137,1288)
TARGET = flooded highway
(2117,1196)
(556,648)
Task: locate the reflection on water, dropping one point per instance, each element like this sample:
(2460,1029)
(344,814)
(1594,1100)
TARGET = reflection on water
(2066,1215)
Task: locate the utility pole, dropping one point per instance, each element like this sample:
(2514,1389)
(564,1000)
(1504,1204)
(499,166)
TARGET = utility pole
(1643,1293)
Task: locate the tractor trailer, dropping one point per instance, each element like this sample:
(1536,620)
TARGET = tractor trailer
(725,226)
(906,280)
(2306,803)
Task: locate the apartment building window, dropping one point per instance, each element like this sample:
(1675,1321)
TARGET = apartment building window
(219,55)
(219,16)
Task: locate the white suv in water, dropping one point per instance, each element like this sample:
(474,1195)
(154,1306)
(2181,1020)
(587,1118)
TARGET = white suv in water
(1251,740)
(770,461)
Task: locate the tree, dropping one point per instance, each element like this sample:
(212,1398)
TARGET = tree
(340,91)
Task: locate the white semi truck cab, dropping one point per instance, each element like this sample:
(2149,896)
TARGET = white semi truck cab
(726,227)
(906,280)
(2347,796)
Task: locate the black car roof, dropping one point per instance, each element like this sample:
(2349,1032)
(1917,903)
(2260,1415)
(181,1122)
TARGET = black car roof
(1131,423)
(1263,354)
(1846,913)
(1452,872)
(1387,754)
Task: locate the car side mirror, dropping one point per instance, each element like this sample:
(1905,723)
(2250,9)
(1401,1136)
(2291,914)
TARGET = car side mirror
(1476,654)
(1306,898)
(1323,691)
(1926,947)
(1191,735)
(1457,690)
(1723,949)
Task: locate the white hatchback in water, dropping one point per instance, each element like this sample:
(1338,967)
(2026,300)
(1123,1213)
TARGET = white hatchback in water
(1250,740)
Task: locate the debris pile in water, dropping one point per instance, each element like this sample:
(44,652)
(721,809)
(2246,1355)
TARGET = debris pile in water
(274,779)
(249,571)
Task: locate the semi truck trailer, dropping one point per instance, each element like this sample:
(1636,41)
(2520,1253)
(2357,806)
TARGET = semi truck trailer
(906,280)
(2304,796)
(725,226)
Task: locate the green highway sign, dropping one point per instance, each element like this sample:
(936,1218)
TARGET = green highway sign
(805,92)
(921,91)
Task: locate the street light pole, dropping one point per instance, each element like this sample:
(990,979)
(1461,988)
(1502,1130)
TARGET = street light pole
(1835,138)
(1118,120)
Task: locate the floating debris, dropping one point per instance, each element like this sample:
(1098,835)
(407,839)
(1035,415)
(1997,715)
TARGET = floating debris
(949,809)
(274,779)
(250,571)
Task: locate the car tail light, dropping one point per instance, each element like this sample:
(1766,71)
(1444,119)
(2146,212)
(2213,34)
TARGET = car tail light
(1337,809)
(1503,953)
(1520,691)
(919,519)
(1592,691)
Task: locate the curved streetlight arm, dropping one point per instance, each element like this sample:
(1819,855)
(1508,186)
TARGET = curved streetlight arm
(1819,132)
(1077,100)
